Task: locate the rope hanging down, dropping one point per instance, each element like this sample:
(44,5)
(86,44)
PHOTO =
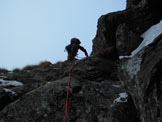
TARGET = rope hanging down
(68,90)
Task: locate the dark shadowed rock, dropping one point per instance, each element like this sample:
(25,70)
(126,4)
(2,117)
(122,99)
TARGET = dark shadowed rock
(126,40)
(141,76)
(132,3)
(90,102)
(138,18)
(125,110)
(4,98)
(9,95)
(94,90)
(94,69)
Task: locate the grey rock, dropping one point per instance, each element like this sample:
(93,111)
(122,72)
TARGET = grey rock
(126,40)
(132,3)
(47,103)
(92,94)
(141,77)
(9,95)
(138,19)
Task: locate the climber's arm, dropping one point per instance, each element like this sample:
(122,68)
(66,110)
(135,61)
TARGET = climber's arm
(84,50)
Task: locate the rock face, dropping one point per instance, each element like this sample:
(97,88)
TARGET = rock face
(87,102)
(94,90)
(126,40)
(138,18)
(141,76)
(132,3)
(103,87)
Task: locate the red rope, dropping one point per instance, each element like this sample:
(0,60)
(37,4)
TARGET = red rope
(68,91)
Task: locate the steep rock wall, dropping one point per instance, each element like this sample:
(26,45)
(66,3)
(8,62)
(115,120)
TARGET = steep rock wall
(138,18)
(141,77)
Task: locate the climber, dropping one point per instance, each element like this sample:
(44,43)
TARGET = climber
(73,48)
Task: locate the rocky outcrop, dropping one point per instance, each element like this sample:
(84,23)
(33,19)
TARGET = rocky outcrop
(138,18)
(94,90)
(93,69)
(88,102)
(141,76)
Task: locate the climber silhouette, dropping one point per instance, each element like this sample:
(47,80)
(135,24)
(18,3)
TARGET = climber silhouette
(73,47)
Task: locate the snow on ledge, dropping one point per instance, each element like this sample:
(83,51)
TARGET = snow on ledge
(5,83)
(9,91)
(122,98)
(148,36)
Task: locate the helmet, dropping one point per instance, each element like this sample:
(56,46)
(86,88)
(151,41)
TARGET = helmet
(75,41)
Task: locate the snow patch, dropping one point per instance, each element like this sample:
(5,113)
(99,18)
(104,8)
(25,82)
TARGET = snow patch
(122,98)
(133,66)
(5,83)
(9,91)
(121,57)
(149,37)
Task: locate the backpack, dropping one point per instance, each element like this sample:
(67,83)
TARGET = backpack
(68,48)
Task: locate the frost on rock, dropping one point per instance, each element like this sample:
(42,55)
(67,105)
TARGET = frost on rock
(149,37)
(121,57)
(5,83)
(133,66)
(121,99)
(9,91)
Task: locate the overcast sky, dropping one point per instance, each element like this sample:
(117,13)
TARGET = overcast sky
(32,31)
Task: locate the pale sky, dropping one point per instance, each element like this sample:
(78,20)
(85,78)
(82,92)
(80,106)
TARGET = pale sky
(32,31)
